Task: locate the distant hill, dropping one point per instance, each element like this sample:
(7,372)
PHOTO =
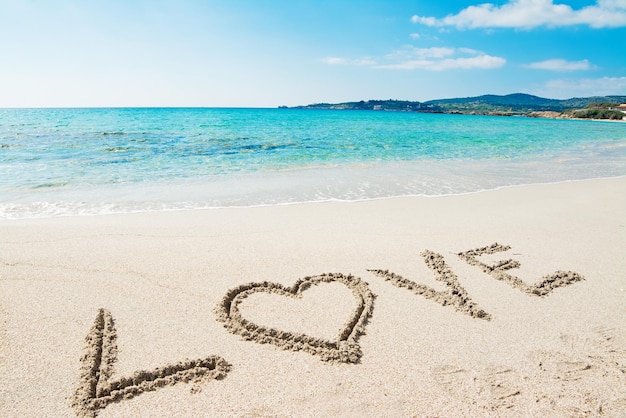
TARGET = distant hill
(519,103)
(507,100)
(510,104)
(395,105)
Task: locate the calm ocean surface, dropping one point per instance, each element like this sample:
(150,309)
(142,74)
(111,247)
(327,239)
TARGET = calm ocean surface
(89,161)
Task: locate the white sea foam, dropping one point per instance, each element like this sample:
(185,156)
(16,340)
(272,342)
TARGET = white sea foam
(343,183)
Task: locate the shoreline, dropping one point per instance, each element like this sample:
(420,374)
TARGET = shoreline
(306,202)
(159,278)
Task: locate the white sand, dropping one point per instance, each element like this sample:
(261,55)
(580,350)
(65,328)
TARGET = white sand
(162,275)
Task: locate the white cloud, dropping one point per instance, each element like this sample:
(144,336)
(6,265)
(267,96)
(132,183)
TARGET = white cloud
(585,87)
(432,59)
(528,14)
(469,51)
(440,59)
(482,62)
(409,52)
(349,61)
(561,65)
(428,21)
(415,36)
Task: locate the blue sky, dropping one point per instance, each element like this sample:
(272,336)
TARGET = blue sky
(266,53)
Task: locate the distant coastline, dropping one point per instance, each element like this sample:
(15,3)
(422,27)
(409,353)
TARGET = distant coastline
(517,104)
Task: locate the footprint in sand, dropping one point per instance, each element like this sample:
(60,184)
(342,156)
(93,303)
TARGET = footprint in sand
(587,377)
(494,389)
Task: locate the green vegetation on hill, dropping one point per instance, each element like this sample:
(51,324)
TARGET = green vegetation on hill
(595,114)
(490,104)
(519,103)
(392,105)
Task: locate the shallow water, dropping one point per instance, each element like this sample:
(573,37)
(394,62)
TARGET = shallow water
(90,161)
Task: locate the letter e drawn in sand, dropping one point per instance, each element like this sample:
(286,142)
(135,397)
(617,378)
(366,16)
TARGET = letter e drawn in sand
(499,271)
(344,349)
(96,389)
(455,296)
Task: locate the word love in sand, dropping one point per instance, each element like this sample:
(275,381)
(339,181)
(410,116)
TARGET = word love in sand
(345,347)
(97,389)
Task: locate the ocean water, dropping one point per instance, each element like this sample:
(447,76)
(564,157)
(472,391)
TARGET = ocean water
(56,162)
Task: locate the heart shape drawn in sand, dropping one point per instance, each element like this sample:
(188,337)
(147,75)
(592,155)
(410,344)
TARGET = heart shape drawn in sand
(344,349)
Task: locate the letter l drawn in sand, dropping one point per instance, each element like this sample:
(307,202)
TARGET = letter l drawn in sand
(96,389)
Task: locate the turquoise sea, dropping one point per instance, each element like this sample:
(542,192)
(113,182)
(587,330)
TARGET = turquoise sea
(57,162)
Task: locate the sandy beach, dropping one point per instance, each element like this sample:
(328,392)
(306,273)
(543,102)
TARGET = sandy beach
(501,303)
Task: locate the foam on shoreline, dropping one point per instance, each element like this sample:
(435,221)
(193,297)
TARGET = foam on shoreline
(342,184)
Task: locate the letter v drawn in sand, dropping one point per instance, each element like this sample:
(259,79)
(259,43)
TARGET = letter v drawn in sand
(96,389)
(455,296)
(499,271)
(344,349)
